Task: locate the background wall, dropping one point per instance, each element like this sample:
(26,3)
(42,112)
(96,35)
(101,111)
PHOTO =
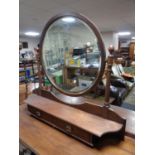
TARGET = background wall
(32,42)
(108,38)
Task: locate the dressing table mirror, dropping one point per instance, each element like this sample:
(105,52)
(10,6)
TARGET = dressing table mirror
(72,56)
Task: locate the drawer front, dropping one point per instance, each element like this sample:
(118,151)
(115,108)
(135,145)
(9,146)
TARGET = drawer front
(82,134)
(62,125)
(50,119)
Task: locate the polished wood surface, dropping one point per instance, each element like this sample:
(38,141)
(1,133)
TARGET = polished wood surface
(132,51)
(108,76)
(45,140)
(88,122)
(129,115)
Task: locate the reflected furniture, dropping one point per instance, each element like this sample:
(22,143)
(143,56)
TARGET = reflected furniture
(82,81)
(26,70)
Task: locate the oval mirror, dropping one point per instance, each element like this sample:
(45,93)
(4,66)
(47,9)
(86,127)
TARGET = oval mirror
(73,54)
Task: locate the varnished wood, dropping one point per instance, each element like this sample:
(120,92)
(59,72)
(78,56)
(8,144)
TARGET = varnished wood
(132,51)
(130,116)
(78,102)
(45,140)
(89,122)
(39,69)
(108,76)
(125,113)
(78,123)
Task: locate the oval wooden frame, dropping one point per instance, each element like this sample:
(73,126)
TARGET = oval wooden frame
(100,46)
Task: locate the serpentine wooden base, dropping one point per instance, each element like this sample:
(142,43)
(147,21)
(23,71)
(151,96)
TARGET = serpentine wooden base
(88,128)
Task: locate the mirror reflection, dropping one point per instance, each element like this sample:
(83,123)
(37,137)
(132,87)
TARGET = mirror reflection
(71,57)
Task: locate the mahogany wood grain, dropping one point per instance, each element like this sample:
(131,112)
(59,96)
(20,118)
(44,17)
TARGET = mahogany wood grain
(108,76)
(88,122)
(45,140)
(129,115)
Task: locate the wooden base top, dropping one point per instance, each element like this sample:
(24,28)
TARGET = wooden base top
(88,122)
(44,140)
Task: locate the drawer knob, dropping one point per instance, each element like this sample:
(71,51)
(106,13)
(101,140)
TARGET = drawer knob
(38,113)
(68,128)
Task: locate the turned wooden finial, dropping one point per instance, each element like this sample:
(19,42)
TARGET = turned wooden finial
(111,49)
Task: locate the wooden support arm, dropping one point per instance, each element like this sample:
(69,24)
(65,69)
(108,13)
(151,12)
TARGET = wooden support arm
(108,76)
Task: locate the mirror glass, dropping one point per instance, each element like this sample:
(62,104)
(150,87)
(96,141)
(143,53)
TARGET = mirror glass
(70,53)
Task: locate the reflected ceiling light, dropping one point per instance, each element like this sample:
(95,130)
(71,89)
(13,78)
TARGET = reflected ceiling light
(68,19)
(133,38)
(124,33)
(31,33)
(88,43)
(111,46)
